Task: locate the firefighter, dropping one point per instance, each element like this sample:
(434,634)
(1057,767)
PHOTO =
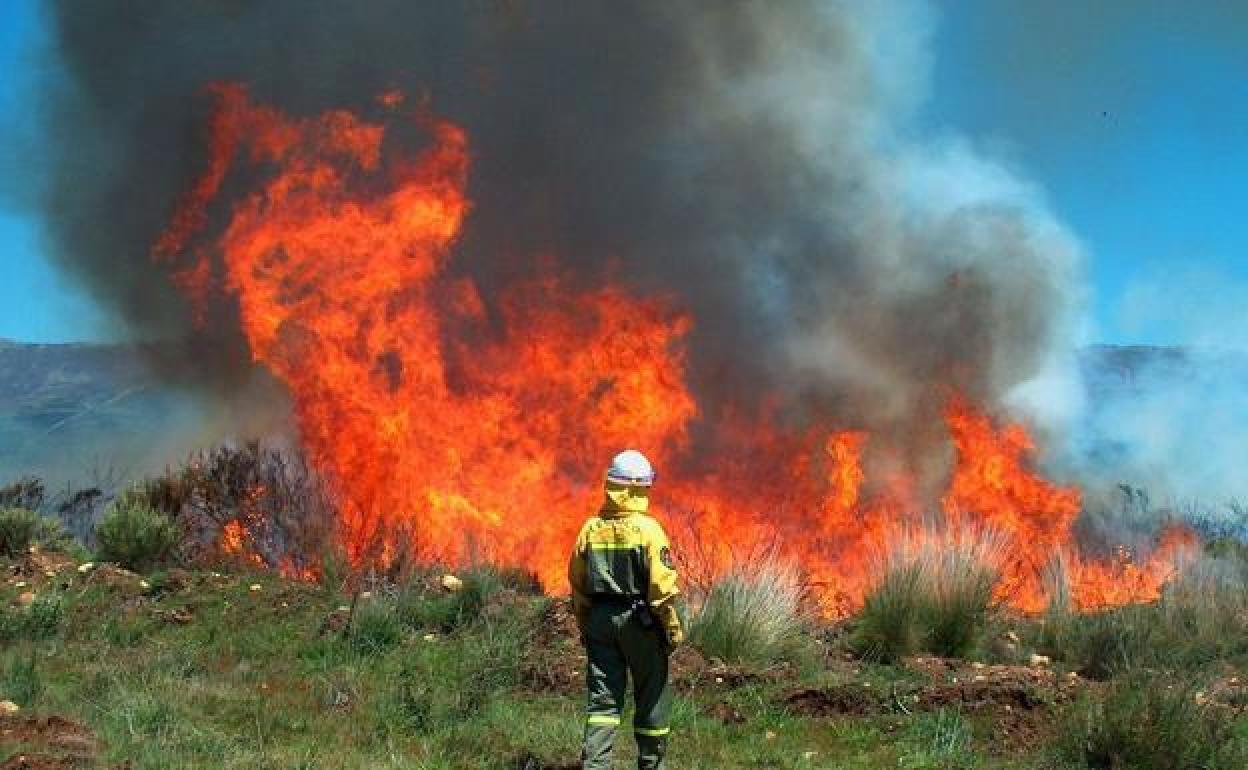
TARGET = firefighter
(623,584)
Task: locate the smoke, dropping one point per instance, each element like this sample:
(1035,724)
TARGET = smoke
(1173,420)
(755,161)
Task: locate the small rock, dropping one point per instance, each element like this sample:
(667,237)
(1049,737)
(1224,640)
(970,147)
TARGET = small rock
(980,678)
(51,573)
(978,666)
(86,567)
(144,585)
(20,584)
(366,594)
(343,608)
(254,587)
(719,680)
(451,583)
(431,637)
(1039,661)
(770,735)
(9,707)
(1011,636)
(809,755)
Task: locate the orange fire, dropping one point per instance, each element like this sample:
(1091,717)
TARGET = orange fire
(462,426)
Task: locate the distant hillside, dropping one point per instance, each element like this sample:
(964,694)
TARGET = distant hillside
(1170,420)
(71,411)
(68,411)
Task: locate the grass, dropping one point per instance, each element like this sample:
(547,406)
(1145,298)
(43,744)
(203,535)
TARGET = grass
(20,681)
(1143,724)
(427,678)
(752,616)
(934,594)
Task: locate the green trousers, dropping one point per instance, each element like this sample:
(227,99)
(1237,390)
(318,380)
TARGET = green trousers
(617,646)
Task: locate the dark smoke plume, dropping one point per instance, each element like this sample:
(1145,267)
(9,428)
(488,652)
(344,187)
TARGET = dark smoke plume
(751,159)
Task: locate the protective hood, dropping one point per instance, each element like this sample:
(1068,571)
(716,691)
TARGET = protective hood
(623,500)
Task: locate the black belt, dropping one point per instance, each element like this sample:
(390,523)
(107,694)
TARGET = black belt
(616,600)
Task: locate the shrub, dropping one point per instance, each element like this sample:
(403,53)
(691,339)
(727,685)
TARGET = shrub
(40,620)
(21,528)
(1145,725)
(934,593)
(136,536)
(18,527)
(751,616)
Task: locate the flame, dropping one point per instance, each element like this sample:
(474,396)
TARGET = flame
(463,425)
(233,537)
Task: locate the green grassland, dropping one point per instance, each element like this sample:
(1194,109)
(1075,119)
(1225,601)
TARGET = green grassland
(202,669)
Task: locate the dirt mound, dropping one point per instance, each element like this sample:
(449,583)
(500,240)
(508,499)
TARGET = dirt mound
(851,699)
(691,670)
(555,661)
(47,743)
(1020,700)
(38,568)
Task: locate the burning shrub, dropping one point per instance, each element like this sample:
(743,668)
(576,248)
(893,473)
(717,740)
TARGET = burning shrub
(751,615)
(1201,617)
(1146,726)
(135,535)
(252,504)
(935,592)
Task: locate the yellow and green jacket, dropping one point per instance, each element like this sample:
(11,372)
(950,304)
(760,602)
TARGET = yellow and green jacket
(622,552)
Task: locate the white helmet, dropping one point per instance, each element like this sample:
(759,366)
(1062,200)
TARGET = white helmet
(632,468)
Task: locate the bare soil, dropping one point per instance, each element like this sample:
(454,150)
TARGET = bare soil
(46,743)
(1019,702)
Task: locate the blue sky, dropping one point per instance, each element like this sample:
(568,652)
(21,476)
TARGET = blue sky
(1133,117)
